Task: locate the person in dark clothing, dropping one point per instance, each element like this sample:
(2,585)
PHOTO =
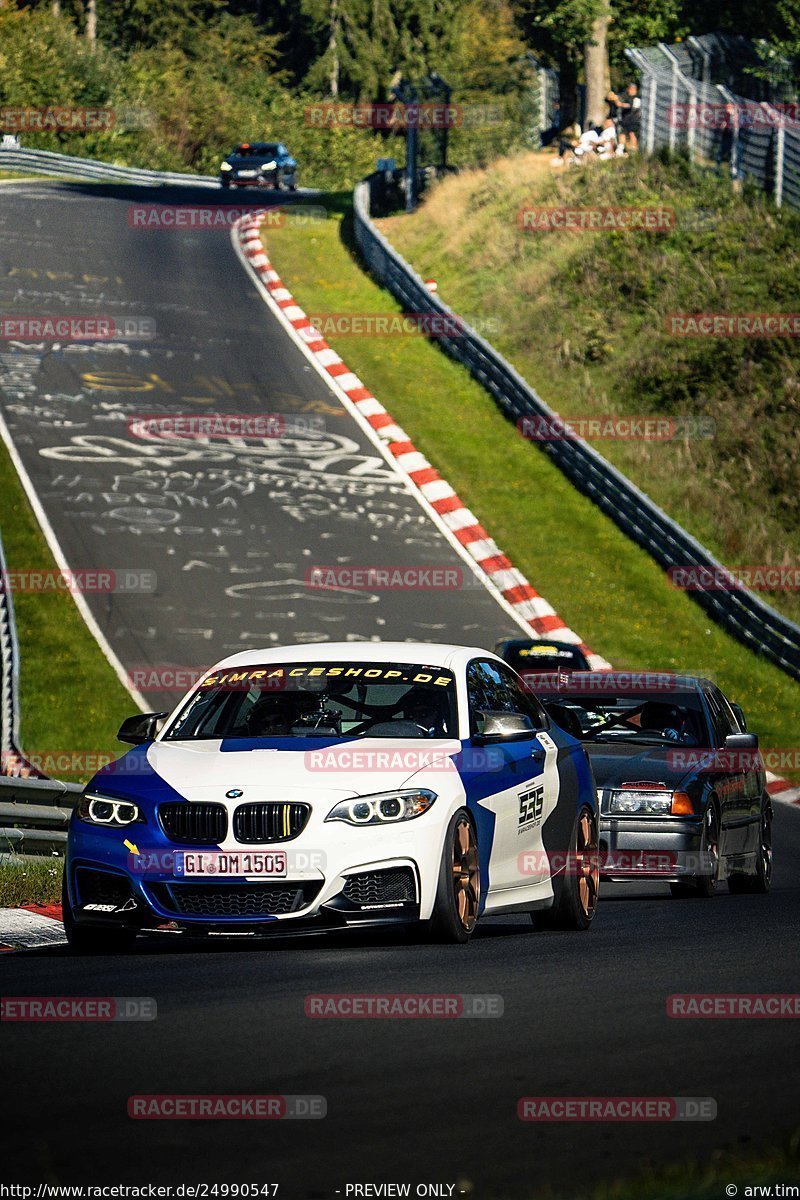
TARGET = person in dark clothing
(631,120)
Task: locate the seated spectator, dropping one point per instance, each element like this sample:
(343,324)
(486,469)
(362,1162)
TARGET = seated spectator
(607,141)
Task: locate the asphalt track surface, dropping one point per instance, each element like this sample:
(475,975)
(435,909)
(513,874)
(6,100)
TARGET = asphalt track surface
(416,1101)
(227,529)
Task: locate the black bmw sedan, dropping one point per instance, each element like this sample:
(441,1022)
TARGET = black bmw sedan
(681,783)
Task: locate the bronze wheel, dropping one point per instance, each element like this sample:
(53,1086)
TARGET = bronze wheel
(466,877)
(458,891)
(587,865)
(575,891)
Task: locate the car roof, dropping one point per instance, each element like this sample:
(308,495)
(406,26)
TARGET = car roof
(423,653)
(599,682)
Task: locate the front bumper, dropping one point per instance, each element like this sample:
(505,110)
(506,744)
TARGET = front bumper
(363,877)
(667,849)
(269,179)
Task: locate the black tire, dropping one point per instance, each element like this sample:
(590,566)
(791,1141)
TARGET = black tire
(576,902)
(224,183)
(458,891)
(88,939)
(759,882)
(703,887)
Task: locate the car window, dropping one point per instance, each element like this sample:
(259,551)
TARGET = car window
(492,687)
(725,722)
(722,723)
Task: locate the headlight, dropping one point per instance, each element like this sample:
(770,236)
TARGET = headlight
(105,810)
(226,167)
(383,808)
(638,802)
(270,166)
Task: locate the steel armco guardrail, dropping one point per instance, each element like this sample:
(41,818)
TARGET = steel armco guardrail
(47,162)
(739,611)
(9,670)
(34,814)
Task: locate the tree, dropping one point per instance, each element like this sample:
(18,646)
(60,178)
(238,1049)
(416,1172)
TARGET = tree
(596,65)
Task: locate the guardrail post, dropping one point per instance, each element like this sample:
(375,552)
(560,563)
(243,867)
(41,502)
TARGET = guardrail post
(650,141)
(780,161)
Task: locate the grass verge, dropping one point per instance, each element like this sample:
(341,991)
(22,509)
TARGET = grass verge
(71,701)
(30,881)
(584,316)
(606,588)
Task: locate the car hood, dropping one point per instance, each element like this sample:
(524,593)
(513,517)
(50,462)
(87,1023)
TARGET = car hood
(614,765)
(264,769)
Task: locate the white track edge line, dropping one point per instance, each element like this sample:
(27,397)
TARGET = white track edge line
(61,561)
(350,406)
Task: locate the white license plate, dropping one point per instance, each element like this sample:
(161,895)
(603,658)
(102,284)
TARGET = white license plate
(215,864)
(248,174)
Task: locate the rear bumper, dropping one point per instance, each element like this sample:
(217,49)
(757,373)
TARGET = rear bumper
(649,848)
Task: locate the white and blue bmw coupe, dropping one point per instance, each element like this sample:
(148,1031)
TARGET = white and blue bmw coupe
(331,785)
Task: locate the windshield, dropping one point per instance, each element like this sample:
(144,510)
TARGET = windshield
(632,719)
(338,699)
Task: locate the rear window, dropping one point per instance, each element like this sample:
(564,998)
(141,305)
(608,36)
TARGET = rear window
(259,150)
(537,657)
(336,699)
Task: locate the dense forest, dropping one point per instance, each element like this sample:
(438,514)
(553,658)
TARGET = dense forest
(188,78)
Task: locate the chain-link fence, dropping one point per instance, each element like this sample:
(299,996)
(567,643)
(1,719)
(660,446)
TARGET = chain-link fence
(688,105)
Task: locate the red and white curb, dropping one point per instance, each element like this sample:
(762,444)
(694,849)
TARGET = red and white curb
(460,526)
(31,927)
(781,791)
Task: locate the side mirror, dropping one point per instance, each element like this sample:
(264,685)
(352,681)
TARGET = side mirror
(141,728)
(741,741)
(740,717)
(502,727)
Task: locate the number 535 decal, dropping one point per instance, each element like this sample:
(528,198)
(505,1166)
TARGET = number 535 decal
(531,805)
